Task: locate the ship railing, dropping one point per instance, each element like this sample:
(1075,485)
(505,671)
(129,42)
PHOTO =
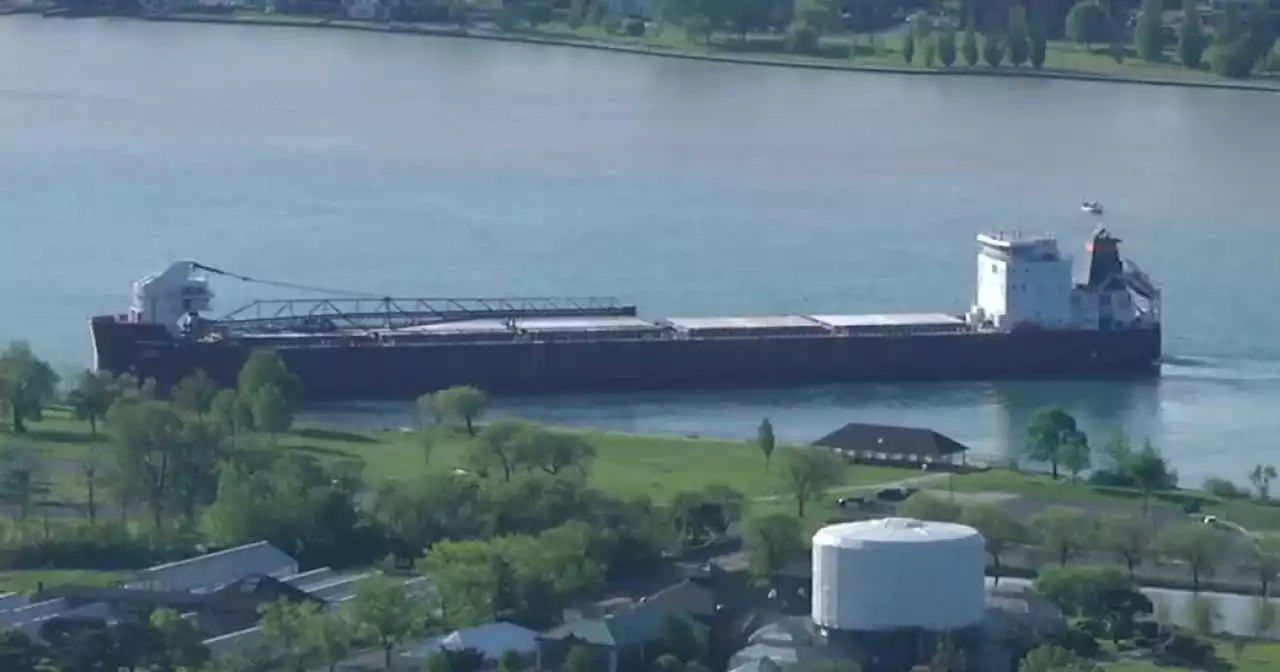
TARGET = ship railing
(363,313)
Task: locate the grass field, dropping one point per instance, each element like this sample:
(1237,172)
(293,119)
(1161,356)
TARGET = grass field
(30,581)
(1252,514)
(625,464)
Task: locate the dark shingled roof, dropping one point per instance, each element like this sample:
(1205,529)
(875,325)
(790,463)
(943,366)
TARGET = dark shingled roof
(891,440)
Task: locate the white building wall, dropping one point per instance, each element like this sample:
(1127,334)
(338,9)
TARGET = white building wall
(1024,281)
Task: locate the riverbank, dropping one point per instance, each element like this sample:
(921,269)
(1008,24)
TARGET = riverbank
(1063,62)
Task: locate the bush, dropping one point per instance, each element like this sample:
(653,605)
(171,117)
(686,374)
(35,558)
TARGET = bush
(1221,487)
(803,40)
(635,27)
(1079,641)
(1112,479)
(1190,650)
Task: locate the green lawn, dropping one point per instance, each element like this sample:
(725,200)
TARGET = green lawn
(624,465)
(28,581)
(1257,657)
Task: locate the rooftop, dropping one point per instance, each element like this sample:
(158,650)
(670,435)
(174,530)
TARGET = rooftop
(891,440)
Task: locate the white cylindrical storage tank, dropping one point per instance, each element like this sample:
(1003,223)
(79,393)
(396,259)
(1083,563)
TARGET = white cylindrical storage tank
(898,573)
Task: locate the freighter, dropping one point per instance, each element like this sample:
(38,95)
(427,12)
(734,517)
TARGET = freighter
(1035,315)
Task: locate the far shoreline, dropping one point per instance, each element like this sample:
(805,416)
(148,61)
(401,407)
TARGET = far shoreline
(669,52)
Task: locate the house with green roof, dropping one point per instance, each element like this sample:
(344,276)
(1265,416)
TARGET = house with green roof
(619,640)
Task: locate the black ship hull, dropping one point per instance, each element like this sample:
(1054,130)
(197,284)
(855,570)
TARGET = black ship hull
(373,371)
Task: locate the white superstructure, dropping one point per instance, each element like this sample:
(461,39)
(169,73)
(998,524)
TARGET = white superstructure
(1025,281)
(895,573)
(169,296)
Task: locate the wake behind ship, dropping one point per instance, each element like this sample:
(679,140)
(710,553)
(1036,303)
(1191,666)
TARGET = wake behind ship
(1030,319)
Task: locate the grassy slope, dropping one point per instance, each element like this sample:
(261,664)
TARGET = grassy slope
(1249,513)
(625,464)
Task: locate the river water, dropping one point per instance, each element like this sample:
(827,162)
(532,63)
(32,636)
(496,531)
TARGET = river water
(431,166)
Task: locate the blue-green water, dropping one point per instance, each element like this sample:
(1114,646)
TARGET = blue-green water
(417,166)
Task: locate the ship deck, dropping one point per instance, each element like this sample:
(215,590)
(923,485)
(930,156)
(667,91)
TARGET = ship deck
(605,327)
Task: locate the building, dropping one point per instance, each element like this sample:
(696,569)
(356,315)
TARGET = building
(492,640)
(220,592)
(619,639)
(889,444)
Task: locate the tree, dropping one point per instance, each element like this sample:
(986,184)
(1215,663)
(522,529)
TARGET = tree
(20,477)
(1202,547)
(765,440)
(969,46)
(284,627)
(329,636)
(195,393)
(91,471)
(553,452)
(27,384)
(1064,530)
(992,49)
(667,663)
(908,47)
(1150,473)
(700,515)
(579,659)
(1228,28)
(145,436)
(1265,560)
(501,444)
(181,644)
(1261,478)
(1127,537)
(265,368)
(927,507)
(1149,34)
(1086,23)
(1075,454)
(931,51)
(1049,430)
(947,46)
(810,473)
(771,541)
(1018,42)
(18,652)
(998,528)
(1262,619)
(1080,592)
(231,411)
(1203,614)
(577,13)
(386,614)
(1039,43)
(270,410)
(464,403)
(511,662)
(1050,658)
(91,397)
(1191,38)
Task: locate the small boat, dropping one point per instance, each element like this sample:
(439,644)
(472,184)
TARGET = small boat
(1091,207)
